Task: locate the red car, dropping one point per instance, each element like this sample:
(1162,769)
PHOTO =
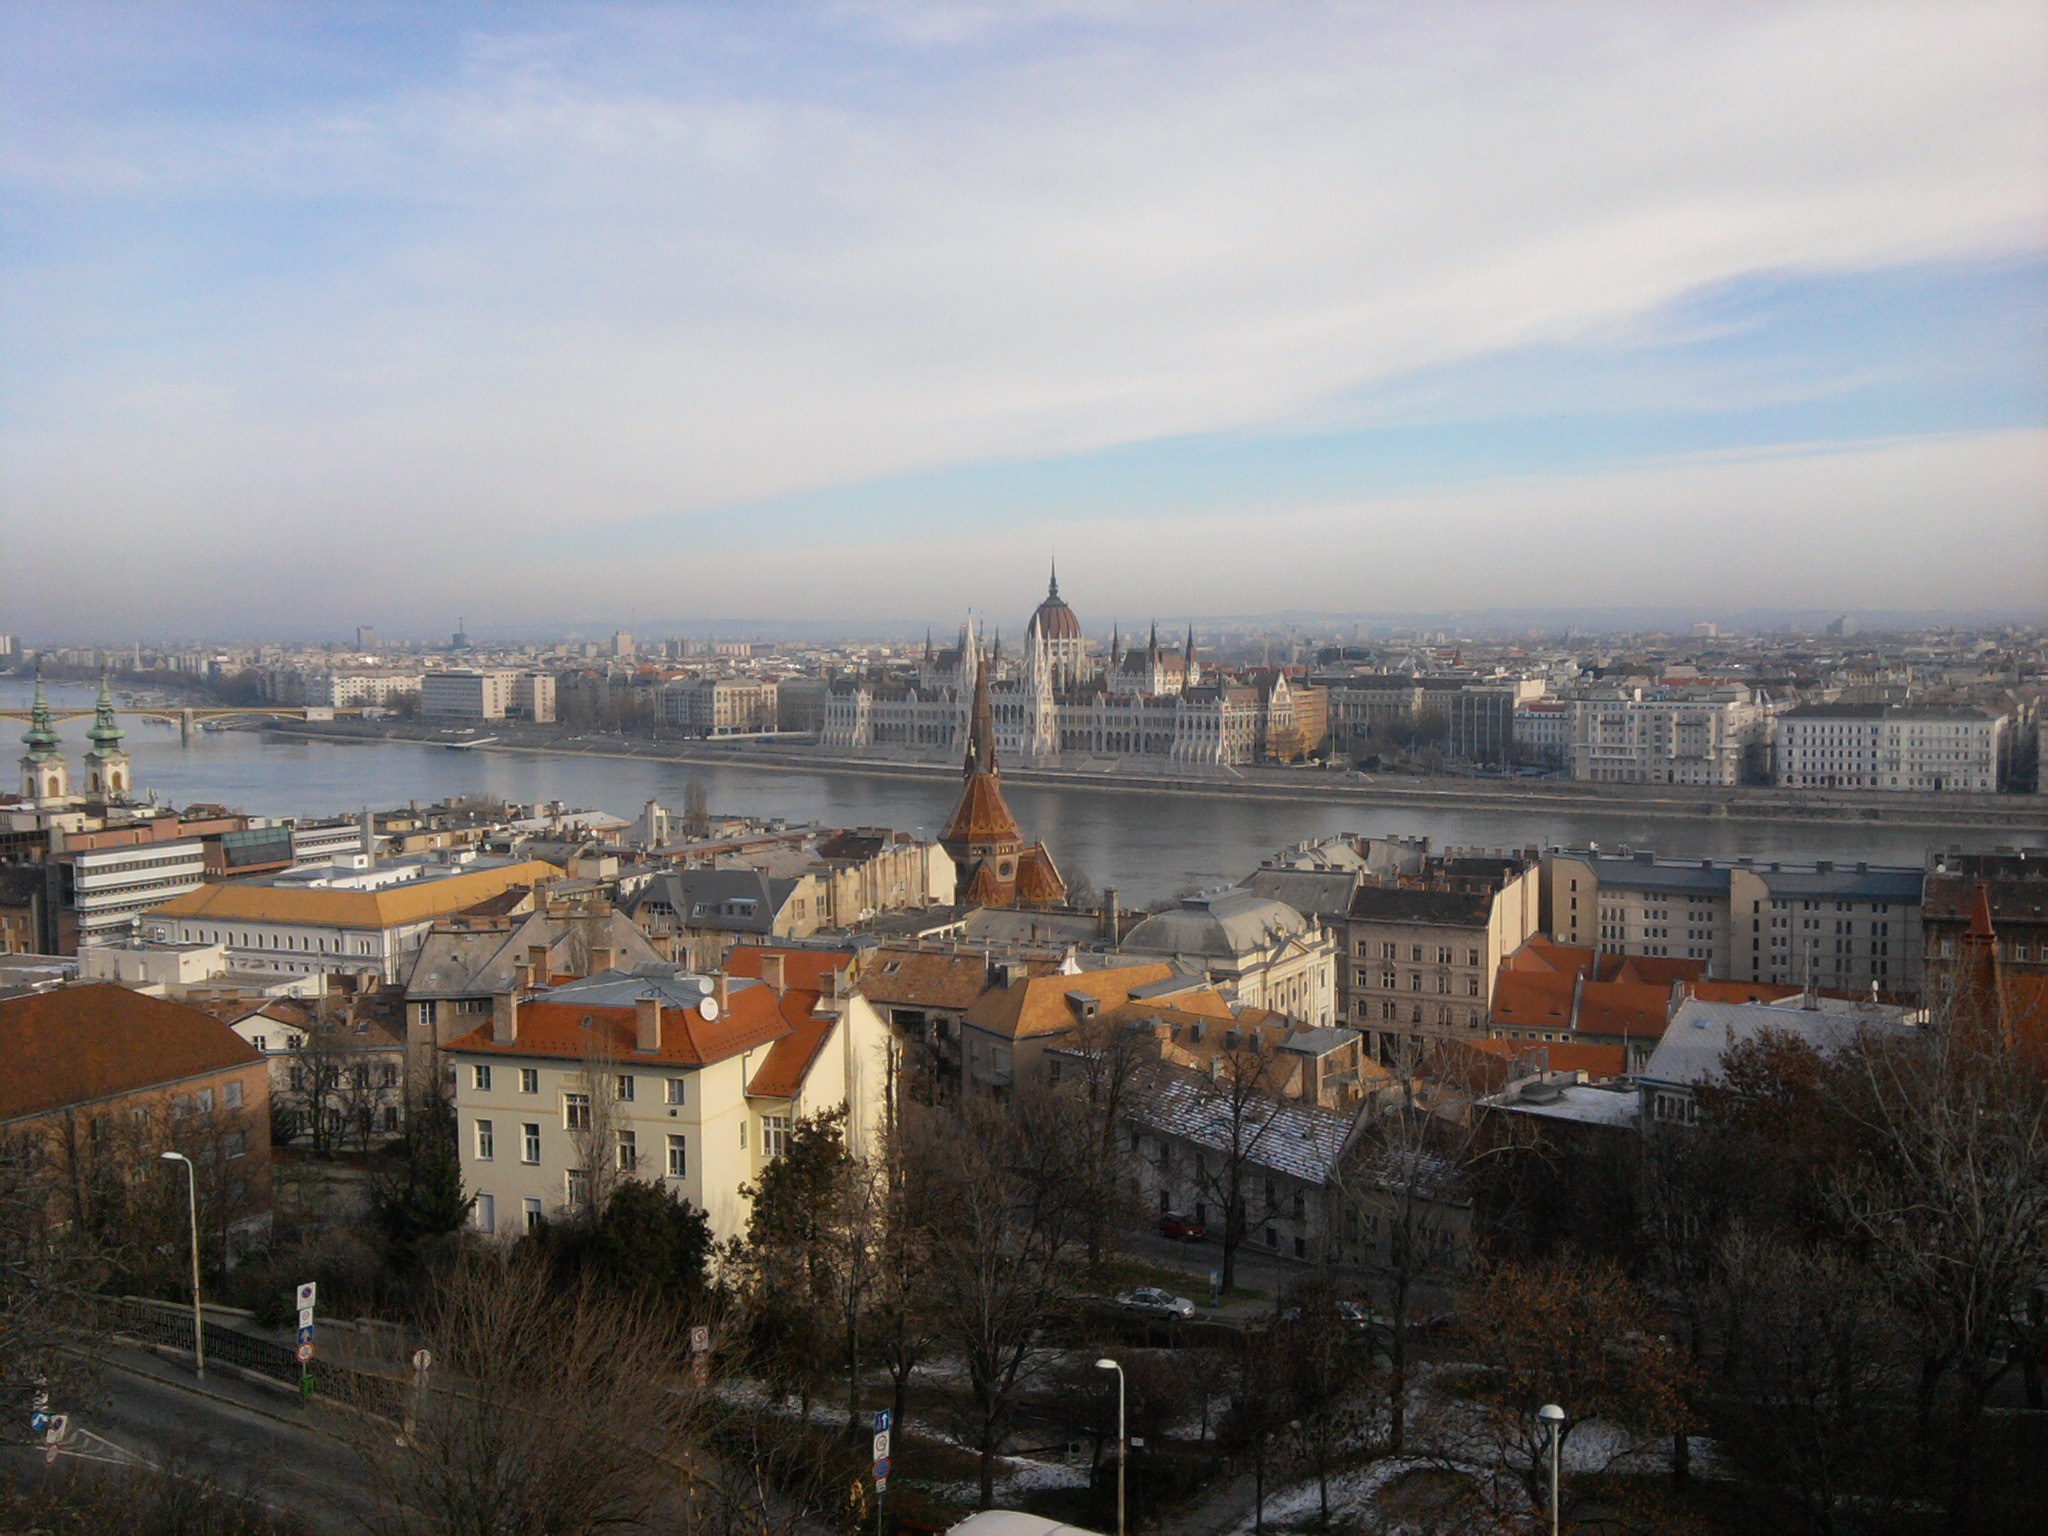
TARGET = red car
(1184,1229)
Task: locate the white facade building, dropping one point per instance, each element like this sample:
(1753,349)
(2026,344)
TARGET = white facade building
(354,690)
(1905,747)
(1665,738)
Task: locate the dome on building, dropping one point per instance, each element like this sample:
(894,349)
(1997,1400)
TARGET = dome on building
(1053,619)
(1221,924)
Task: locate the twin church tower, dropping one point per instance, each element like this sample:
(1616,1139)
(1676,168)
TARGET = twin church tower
(46,777)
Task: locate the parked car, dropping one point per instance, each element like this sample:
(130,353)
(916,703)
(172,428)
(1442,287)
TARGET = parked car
(1182,1228)
(1148,1302)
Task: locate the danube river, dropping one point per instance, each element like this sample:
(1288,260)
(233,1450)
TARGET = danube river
(1147,846)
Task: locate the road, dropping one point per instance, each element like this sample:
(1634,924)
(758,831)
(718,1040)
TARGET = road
(246,1438)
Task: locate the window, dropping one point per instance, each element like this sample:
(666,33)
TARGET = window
(233,1145)
(529,1080)
(359,1077)
(629,1151)
(480,1078)
(743,1131)
(532,1211)
(486,1212)
(1415,953)
(391,1117)
(486,1142)
(678,1158)
(576,1185)
(1389,952)
(1471,986)
(529,1143)
(1443,954)
(675,1090)
(202,1101)
(625,1087)
(231,1093)
(774,1135)
(576,1111)
(261,1042)
(298,1078)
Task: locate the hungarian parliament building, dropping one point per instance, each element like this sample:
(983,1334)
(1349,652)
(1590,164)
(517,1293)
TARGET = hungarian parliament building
(1055,702)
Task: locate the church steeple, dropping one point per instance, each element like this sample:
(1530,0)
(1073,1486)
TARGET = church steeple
(981,730)
(44,775)
(107,771)
(1052,589)
(41,736)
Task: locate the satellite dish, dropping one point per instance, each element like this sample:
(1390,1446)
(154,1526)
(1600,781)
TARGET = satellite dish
(709,1008)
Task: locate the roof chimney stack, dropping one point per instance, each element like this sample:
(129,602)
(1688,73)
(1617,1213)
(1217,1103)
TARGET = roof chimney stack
(647,1023)
(772,972)
(504,1019)
(721,992)
(600,958)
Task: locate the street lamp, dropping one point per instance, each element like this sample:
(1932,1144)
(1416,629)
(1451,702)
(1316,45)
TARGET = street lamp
(1553,1418)
(192,1209)
(1111,1365)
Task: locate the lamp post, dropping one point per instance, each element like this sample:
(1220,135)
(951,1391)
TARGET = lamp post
(1111,1365)
(1553,1420)
(192,1210)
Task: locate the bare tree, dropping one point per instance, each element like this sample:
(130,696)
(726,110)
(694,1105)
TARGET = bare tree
(604,1157)
(1240,1107)
(992,1189)
(548,1410)
(1097,1068)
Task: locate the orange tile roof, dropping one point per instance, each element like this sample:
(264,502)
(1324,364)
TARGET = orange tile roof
(76,1044)
(754,1016)
(982,816)
(790,1060)
(1038,882)
(1038,1005)
(414,901)
(914,978)
(806,968)
(1596,1061)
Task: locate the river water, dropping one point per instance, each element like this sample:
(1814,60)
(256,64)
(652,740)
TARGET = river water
(1147,846)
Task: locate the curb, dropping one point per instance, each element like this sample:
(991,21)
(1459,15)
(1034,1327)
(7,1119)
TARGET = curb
(193,1389)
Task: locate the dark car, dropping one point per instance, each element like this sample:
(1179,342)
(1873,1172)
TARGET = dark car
(1182,1228)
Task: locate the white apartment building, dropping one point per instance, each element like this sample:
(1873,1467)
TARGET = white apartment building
(690,1081)
(1842,927)
(355,915)
(720,706)
(355,690)
(1929,748)
(109,889)
(1544,727)
(533,697)
(1665,738)
(467,694)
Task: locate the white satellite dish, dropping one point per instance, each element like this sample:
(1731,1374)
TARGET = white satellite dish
(709,1008)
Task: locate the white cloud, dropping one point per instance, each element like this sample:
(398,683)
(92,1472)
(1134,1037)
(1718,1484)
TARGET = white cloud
(628,264)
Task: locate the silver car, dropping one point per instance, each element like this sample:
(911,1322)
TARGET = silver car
(1148,1302)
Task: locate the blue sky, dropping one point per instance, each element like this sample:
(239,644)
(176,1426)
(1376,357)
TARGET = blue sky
(576,311)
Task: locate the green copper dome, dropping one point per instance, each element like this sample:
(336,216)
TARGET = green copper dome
(106,732)
(41,736)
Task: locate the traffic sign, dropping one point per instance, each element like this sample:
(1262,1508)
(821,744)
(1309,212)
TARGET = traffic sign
(882,1446)
(881,1484)
(306,1293)
(38,1421)
(305,1353)
(881,1469)
(305,1317)
(305,1336)
(881,1421)
(55,1429)
(700,1339)
(422,1359)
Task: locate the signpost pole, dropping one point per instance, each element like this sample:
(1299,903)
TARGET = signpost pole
(306,1293)
(881,1465)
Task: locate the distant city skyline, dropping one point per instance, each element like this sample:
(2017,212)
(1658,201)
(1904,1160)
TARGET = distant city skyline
(332,315)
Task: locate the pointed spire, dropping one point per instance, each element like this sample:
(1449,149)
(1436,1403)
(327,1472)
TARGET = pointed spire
(981,730)
(41,736)
(1053,587)
(927,645)
(106,732)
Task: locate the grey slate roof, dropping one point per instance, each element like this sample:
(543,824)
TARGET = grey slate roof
(472,962)
(1219,924)
(1701,1033)
(1392,904)
(1302,1141)
(717,899)
(1318,892)
(676,985)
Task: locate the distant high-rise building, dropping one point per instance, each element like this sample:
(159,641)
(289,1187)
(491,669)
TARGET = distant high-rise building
(366,638)
(460,640)
(622,644)
(1843,626)
(10,647)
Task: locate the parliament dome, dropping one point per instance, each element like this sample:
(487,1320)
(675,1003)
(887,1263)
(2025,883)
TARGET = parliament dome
(1053,619)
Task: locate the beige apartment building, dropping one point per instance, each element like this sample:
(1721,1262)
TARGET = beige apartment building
(720,706)
(688,1081)
(1837,926)
(1661,738)
(1421,949)
(1932,749)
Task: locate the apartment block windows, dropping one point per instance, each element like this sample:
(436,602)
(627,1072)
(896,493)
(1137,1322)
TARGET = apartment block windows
(1443,954)
(576,1185)
(480,1077)
(625,1088)
(486,1142)
(675,1090)
(678,1158)
(1472,957)
(529,1080)
(774,1135)
(629,1151)
(576,1111)
(529,1143)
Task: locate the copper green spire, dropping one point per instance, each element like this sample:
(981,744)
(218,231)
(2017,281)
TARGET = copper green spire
(41,736)
(106,733)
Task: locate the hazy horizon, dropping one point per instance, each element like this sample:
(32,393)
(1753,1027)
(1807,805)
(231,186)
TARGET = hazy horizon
(545,315)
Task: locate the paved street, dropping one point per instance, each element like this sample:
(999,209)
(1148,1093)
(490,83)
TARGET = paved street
(247,1438)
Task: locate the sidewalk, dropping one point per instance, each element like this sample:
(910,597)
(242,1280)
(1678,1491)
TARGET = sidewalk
(223,1384)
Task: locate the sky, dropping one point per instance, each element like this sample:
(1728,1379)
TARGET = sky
(580,315)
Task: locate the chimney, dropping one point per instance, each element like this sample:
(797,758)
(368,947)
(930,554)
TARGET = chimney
(504,1019)
(537,963)
(721,993)
(600,958)
(367,833)
(772,968)
(1109,914)
(522,978)
(647,1023)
